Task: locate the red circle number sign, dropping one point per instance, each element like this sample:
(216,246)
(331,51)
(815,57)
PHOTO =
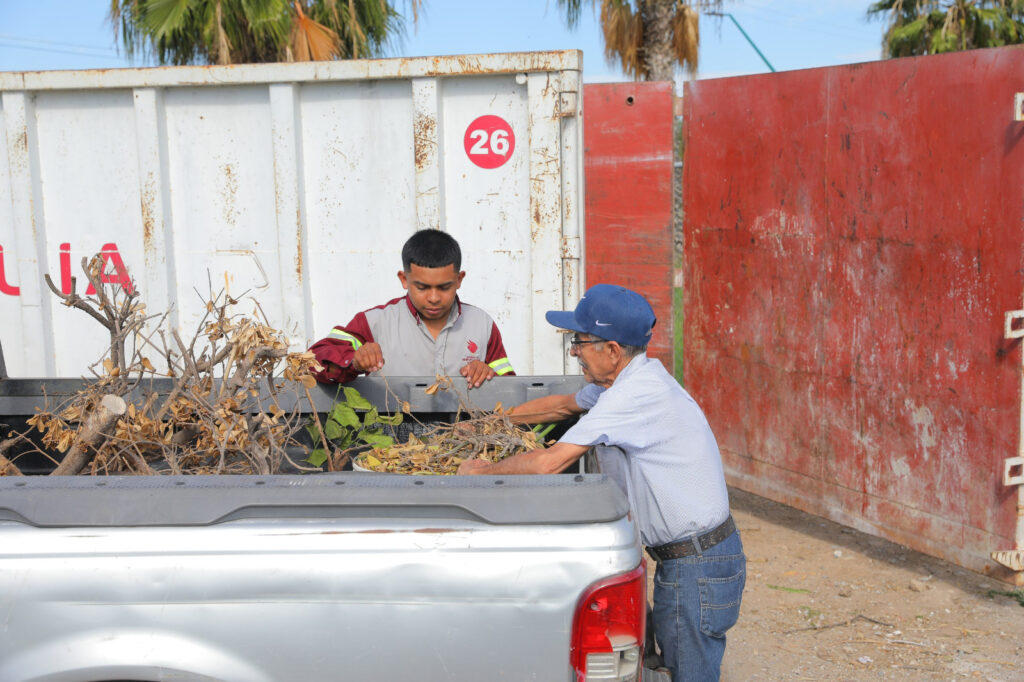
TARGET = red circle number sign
(489,141)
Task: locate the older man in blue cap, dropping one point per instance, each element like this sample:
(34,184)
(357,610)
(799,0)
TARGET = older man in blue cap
(651,437)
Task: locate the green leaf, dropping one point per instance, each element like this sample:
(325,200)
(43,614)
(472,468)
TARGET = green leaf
(333,430)
(343,414)
(377,440)
(393,419)
(317,457)
(313,432)
(370,418)
(356,400)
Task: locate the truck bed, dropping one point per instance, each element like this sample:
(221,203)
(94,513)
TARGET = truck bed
(323,576)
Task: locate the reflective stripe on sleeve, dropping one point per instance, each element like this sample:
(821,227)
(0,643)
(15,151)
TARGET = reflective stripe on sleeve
(501,366)
(345,336)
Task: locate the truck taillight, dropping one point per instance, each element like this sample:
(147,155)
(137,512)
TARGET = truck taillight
(608,629)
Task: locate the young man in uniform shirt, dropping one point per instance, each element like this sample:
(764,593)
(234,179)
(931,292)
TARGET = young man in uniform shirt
(427,332)
(653,439)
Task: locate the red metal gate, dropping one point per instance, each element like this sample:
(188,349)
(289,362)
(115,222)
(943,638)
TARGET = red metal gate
(627,133)
(854,237)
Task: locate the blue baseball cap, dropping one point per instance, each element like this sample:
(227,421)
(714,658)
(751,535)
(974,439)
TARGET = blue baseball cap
(610,312)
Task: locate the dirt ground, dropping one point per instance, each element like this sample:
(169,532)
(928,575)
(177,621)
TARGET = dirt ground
(825,602)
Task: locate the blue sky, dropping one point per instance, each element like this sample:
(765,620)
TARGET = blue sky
(792,34)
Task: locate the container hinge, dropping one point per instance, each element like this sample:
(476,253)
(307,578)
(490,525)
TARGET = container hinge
(567,104)
(1014,328)
(571,248)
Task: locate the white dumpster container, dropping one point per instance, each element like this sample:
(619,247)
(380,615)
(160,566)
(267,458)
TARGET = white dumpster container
(297,183)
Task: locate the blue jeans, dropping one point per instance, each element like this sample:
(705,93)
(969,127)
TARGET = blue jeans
(696,599)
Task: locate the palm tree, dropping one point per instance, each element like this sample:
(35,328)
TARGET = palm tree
(245,31)
(648,37)
(918,27)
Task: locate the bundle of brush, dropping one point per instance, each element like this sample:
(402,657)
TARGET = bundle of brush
(232,406)
(440,448)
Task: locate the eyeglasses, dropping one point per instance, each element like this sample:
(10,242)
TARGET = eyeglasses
(575,341)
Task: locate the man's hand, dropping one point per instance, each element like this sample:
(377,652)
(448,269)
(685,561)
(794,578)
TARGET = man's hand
(477,373)
(473,466)
(369,358)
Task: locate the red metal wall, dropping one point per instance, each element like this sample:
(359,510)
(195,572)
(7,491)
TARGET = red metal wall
(853,237)
(627,133)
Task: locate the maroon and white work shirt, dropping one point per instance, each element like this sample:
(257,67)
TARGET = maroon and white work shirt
(407,345)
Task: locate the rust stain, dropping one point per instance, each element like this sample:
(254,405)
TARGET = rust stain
(230,194)
(435,530)
(146,205)
(298,246)
(424,140)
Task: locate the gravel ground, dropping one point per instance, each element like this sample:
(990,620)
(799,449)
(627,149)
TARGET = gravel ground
(825,602)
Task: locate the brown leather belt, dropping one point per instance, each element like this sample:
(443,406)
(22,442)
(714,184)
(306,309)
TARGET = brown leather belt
(683,548)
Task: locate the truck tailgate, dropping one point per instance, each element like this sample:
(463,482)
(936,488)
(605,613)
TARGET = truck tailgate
(355,576)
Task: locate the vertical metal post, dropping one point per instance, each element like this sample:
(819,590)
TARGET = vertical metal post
(543,91)
(292,231)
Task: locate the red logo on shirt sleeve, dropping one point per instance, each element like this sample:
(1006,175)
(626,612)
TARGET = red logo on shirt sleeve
(471,346)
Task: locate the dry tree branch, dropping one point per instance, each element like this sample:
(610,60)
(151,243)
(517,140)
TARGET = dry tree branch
(94,428)
(73,300)
(212,419)
(7,467)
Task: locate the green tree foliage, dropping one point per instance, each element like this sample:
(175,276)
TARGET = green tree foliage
(246,31)
(345,429)
(918,27)
(648,38)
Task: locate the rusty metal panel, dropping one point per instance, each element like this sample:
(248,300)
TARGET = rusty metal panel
(629,164)
(853,237)
(296,183)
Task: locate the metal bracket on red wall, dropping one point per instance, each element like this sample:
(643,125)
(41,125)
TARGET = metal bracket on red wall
(1014,328)
(1013,467)
(1013,471)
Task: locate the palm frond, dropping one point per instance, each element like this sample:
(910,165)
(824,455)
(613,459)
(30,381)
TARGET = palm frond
(572,8)
(162,17)
(918,27)
(311,40)
(238,31)
(686,37)
(623,37)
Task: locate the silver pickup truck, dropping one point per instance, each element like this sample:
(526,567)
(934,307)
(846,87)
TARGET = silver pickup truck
(330,576)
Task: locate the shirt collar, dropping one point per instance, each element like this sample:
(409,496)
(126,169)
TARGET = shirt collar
(634,366)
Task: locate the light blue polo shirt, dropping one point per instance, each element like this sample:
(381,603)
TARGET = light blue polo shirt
(653,439)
